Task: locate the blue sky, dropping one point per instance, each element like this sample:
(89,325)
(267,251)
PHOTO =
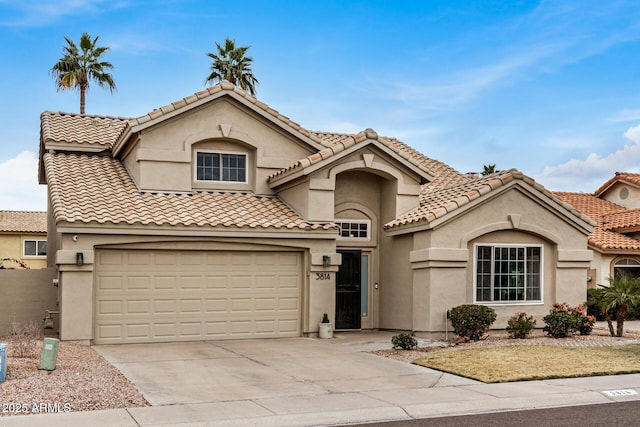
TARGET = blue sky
(550,88)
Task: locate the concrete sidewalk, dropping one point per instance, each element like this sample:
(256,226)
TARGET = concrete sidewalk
(305,381)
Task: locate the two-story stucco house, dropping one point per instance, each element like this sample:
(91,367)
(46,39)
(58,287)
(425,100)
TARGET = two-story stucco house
(216,217)
(23,239)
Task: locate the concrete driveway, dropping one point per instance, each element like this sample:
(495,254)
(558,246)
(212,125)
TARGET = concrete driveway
(306,381)
(257,378)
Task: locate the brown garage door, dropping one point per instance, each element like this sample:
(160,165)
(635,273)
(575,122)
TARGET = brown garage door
(158,295)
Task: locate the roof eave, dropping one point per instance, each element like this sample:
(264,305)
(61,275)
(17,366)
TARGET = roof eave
(298,170)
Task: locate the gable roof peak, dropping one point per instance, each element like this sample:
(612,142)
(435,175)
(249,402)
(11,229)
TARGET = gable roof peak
(370,133)
(630,178)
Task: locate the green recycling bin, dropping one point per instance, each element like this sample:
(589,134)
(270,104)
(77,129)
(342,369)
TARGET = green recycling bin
(49,354)
(3,362)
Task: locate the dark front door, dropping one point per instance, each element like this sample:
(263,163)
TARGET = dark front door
(348,284)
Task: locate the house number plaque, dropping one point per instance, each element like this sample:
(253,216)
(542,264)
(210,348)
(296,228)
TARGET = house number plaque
(323,276)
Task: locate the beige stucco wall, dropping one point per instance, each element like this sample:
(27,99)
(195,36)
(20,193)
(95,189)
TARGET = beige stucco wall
(443,258)
(11,246)
(26,294)
(313,196)
(161,159)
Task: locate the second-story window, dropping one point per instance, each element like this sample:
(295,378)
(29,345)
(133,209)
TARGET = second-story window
(221,167)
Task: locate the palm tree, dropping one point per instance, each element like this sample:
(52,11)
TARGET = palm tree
(231,64)
(78,66)
(489,169)
(622,293)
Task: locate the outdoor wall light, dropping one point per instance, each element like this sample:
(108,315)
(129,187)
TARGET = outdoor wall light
(326,260)
(79,258)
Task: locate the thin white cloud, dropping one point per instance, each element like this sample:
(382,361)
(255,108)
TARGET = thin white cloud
(628,115)
(37,13)
(19,188)
(553,36)
(587,174)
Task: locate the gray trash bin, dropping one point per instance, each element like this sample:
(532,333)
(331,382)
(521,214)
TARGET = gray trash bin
(3,362)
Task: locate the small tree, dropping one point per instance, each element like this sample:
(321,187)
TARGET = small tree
(623,292)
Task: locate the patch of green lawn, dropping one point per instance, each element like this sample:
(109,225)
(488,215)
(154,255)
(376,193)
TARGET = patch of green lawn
(536,362)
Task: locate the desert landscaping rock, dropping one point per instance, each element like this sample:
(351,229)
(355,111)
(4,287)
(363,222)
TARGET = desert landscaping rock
(82,381)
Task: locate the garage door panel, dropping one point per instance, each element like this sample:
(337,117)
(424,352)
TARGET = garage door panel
(147,296)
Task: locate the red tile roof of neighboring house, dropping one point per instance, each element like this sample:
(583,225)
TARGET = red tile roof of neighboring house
(626,177)
(23,221)
(609,217)
(94,188)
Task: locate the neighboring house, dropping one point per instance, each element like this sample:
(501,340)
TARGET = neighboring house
(216,217)
(615,207)
(23,239)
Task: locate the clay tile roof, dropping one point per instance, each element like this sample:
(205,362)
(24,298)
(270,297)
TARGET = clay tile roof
(211,91)
(337,142)
(23,221)
(80,129)
(608,217)
(98,189)
(440,202)
(622,220)
(626,177)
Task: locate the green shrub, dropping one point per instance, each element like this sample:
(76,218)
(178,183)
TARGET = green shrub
(404,341)
(472,321)
(520,325)
(596,305)
(562,320)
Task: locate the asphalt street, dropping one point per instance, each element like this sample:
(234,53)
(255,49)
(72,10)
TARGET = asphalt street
(607,414)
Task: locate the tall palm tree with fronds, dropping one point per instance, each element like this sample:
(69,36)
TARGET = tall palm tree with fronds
(80,65)
(231,63)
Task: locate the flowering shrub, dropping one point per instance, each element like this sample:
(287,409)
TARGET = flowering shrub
(563,320)
(586,321)
(520,325)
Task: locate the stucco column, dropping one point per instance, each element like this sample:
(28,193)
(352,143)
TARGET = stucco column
(322,289)
(76,295)
(439,283)
(571,280)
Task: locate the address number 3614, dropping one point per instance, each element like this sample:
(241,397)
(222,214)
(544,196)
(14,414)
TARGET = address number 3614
(323,276)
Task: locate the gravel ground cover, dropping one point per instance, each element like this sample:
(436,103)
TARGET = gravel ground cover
(82,381)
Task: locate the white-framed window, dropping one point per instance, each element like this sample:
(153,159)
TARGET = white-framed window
(34,248)
(628,266)
(508,273)
(221,167)
(354,229)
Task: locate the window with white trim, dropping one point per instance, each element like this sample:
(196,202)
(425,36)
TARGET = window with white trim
(354,229)
(508,273)
(35,248)
(221,167)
